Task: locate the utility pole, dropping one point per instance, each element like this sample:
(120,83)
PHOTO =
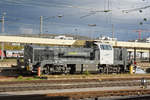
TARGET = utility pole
(112,31)
(3,30)
(76,34)
(41,25)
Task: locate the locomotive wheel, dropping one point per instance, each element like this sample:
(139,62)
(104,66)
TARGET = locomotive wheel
(46,69)
(118,70)
(106,70)
(101,70)
(72,68)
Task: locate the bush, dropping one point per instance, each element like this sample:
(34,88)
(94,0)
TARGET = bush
(20,77)
(86,72)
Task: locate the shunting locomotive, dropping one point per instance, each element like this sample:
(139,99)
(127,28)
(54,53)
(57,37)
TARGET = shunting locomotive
(93,57)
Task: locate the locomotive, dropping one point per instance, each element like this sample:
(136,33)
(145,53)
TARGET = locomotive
(93,57)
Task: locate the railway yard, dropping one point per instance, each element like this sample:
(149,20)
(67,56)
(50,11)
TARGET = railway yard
(65,73)
(75,87)
(74,50)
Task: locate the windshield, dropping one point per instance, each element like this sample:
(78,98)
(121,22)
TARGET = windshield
(105,47)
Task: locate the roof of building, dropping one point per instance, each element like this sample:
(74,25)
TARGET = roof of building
(31,40)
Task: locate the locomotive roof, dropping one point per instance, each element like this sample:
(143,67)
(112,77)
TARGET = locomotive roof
(36,46)
(51,47)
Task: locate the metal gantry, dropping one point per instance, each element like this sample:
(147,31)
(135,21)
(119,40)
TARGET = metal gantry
(3,30)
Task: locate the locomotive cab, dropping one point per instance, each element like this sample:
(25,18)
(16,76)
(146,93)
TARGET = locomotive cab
(106,54)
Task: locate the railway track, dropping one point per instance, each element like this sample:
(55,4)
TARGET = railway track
(97,94)
(134,94)
(64,84)
(92,88)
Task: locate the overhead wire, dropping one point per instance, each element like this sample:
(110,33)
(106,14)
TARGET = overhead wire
(136,9)
(107,6)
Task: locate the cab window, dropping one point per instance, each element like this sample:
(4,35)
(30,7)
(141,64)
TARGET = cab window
(105,47)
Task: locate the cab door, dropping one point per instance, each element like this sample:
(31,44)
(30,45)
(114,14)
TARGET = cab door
(106,54)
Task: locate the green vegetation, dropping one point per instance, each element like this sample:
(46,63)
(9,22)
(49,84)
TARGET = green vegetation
(21,78)
(94,76)
(87,73)
(83,76)
(8,60)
